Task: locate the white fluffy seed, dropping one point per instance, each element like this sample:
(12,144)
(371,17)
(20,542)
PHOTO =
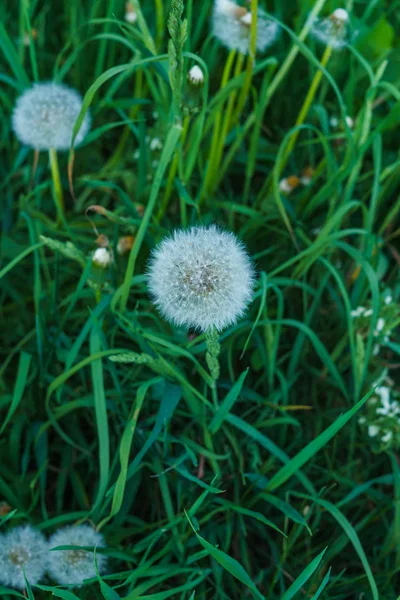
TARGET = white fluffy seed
(230,24)
(201,278)
(45,115)
(22,550)
(72,567)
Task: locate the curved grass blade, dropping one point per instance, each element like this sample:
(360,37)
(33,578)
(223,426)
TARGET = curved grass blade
(313,447)
(227,562)
(303,577)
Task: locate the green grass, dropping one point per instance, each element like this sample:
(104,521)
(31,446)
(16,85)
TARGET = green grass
(108,413)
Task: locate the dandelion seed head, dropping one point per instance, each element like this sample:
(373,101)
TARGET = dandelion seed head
(201,278)
(74,566)
(334,31)
(22,550)
(231,26)
(44,117)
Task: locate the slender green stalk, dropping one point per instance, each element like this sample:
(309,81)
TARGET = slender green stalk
(301,117)
(172,173)
(57,187)
(217,125)
(160,23)
(250,62)
(307,105)
(277,80)
(228,123)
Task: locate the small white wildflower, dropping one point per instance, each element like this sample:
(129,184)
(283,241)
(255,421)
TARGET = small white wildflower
(334,122)
(44,117)
(102,258)
(131,17)
(362,420)
(231,25)
(379,326)
(196,75)
(201,278)
(383,393)
(386,339)
(349,122)
(376,350)
(373,430)
(306,176)
(333,31)
(341,15)
(288,184)
(22,550)
(357,312)
(74,566)
(388,299)
(130,13)
(368,313)
(387,437)
(155,144)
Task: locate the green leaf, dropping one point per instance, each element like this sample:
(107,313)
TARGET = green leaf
(64,594)
(12,58)
(323,585)
(125,449)
(227,562)
(352,535)
(20,383)
(264,441)
(18,258)
(313,447)
(303,577)
(227,403)
(101,416)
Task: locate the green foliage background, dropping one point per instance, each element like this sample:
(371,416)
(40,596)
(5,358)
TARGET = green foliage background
(107,411)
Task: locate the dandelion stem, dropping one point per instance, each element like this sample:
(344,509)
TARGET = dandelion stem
(250,61)
(307,104)
(160,23)
(57,187)
(227,125)
(138,92)
(34,168)
(172,172)
(217,125)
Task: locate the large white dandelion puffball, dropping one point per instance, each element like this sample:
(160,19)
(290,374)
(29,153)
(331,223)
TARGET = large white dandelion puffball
(74,566)
(44,117)
(231,25)
(22,550)
(201,278)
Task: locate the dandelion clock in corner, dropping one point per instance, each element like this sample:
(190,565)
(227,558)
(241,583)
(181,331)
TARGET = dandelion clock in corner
(23,553)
